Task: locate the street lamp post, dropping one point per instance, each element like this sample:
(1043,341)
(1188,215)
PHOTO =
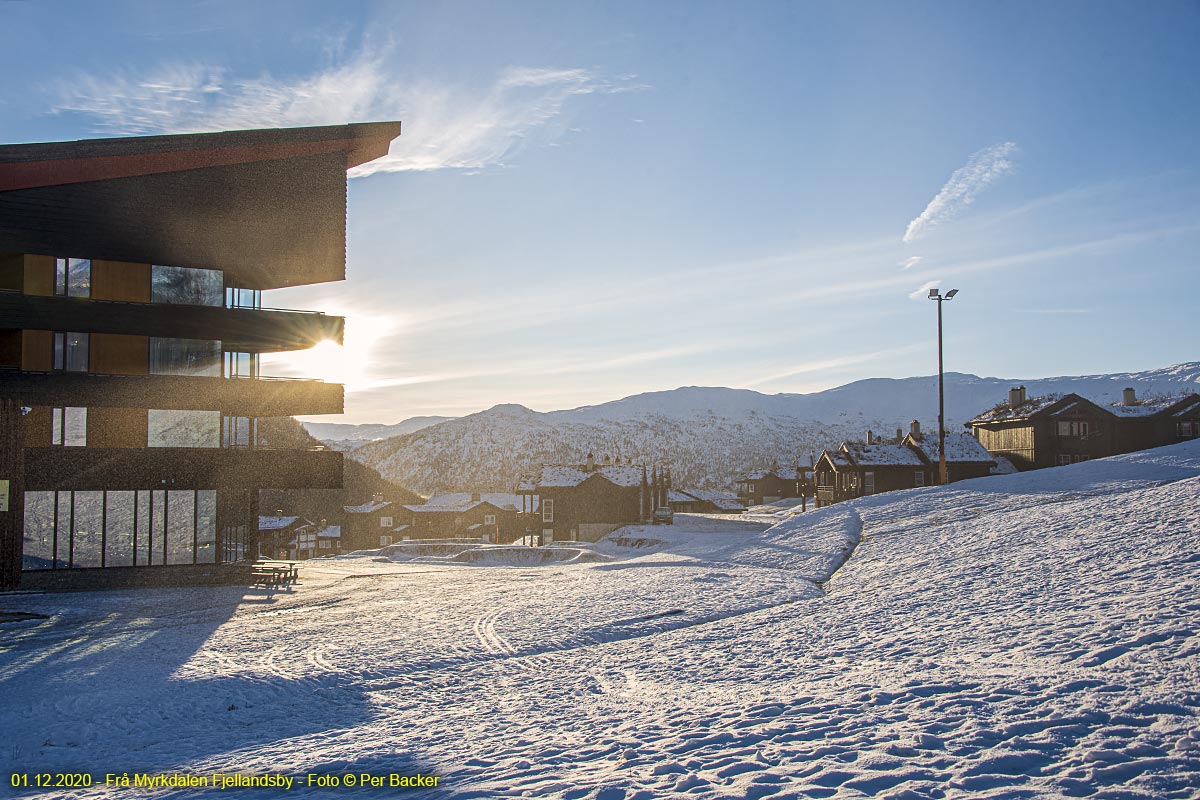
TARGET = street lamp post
(934,294)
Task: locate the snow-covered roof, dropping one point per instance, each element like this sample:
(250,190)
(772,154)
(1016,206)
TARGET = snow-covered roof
(960,447)
(275,523)
(625,475)
(1151,406)
(367,508)
(330,532)
(505,500)
(1025,410)
(680,497)
(882,455)
(838,458)
(783,473)
(1003,466)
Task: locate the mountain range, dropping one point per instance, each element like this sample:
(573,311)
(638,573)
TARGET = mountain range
(709,435)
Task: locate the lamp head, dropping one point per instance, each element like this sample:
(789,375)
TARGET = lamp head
(951,293)
(933,293)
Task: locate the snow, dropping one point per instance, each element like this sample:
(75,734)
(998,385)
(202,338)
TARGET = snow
(367,508)
(881,455)
(463,500)
(275,523)
(1021,636)
(960,447)
(626,475)
(1023,411)
(1153,405)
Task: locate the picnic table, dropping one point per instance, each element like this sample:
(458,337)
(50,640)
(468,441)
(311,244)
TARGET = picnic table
(274,573)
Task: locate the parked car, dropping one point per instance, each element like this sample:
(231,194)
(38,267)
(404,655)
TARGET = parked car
(663,515)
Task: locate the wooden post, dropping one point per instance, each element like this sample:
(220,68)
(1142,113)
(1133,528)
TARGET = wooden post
(12,493)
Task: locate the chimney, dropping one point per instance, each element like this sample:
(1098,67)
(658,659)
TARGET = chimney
(475,498)
(1016,397)
(1130,398)
(899,434)
(591,463)
(376,498)
(914,428)
(870,436)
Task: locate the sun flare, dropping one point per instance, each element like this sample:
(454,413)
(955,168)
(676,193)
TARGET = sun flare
(352,364)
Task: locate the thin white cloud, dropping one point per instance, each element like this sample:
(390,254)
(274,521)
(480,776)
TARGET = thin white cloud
(923,292)
(964,186)
(910,262)
(446,127)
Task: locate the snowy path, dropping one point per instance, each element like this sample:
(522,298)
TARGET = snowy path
(1035,635)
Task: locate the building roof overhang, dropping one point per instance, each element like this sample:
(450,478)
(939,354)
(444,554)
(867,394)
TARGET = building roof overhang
(268,207)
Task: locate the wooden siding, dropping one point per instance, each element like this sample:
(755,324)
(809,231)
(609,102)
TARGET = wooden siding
(116,427)
(120,280)
(39,275)
(37,350)
(119,354)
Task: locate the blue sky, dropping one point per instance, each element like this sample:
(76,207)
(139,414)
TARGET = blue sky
(596,199)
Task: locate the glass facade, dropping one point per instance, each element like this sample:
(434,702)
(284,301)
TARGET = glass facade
(71,352)
(68,427)
(66,530)
(196,287)
(168,428)
(185,357)
(73,277)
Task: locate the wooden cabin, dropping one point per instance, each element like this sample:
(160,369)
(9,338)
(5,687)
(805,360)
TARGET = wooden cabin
(372,525)
(1057,430)
(857,469)
(768,485)
(583,502)
(493,517)
(965,457)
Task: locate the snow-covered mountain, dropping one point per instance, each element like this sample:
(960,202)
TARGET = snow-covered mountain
(344,437)
(709,435)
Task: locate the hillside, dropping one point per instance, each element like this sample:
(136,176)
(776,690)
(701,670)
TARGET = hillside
(1021,636)
(710,435)
(359,482)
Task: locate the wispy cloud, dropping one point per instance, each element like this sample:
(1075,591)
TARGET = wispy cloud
(964,186)
(446,127)
(834,364)
(910,262)
(923,292)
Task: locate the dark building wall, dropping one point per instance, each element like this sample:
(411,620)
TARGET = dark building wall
(593,502)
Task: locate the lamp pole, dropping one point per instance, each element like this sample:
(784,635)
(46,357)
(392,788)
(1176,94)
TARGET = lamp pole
(934,294)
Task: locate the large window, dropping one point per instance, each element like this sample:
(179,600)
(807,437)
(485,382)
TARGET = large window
(185,357)
(547,510)
(239,432)
(66,529)
(868,483)
(73,277)
(71,352)
(169,428)
(242,298)
(196,287)
(68,427)
(241,365)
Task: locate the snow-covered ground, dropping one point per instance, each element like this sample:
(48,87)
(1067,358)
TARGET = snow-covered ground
(1032,635)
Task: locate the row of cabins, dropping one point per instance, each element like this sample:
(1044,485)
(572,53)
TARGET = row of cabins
(910,460)
(1055,430)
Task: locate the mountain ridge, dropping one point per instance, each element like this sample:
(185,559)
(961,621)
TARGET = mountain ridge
(711,434)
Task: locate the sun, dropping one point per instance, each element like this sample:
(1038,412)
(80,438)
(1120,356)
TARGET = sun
(352,364)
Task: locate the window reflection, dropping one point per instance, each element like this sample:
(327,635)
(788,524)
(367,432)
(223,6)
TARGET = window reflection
(171,428)
(197,287)
(185,357)
(73,277)
(71,352)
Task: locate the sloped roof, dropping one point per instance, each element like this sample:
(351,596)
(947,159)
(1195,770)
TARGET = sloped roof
(1003,412)
(783,473)
(276,523)
(960,447)
(882,455)
(367,508)
(331,532)
(502,500)
(1155,405)
(560,475)
(837,458)
(722,500)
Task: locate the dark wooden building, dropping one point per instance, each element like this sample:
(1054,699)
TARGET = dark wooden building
(492,516)
(583,502)
(131,323)
(374,524)
(1056,430)
(704,501)
(965,457)
(857,469)
(768,485)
